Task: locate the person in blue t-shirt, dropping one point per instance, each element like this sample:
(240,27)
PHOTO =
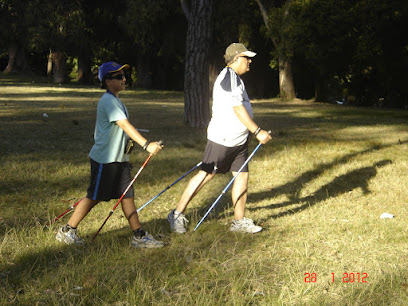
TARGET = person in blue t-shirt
(110,167)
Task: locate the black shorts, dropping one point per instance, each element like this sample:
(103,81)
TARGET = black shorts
(109,181)
(220,159)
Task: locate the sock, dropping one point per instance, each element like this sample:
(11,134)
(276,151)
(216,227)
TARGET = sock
(139,233)
(67,227)
(175,212)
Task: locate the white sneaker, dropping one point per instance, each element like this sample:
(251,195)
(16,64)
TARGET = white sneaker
(178,223)
(245,225)
(69,236)
(147,241)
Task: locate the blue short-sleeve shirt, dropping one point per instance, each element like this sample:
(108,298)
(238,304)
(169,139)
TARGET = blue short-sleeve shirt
(110,139)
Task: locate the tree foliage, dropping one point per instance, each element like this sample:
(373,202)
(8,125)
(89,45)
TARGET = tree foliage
(355,50)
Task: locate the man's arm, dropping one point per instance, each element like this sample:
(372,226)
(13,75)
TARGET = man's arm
(243,116)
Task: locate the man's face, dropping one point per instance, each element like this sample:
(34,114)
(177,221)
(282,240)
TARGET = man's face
(243,63)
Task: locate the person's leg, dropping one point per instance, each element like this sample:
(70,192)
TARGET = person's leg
(239,194)
(239,197)
(129,209)
(194,185)
(140,239)
(68,233)
(178,222)
(81,210)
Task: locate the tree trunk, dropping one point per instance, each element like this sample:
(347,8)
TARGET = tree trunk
(13,49)
(196,74)
(144,72)
(286,85)
(59,66)
(213,73)
(17,61)
(49,65)
(84,69)
(318,91)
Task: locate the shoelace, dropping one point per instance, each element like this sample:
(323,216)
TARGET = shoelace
(182,219)
(247,222)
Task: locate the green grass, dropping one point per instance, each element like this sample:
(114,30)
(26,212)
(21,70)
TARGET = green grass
(318,188)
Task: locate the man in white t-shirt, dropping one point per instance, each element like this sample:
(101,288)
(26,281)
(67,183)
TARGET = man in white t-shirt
(227,144)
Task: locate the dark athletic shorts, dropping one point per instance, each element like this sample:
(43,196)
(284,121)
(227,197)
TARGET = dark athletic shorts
(109,181)
(220,159)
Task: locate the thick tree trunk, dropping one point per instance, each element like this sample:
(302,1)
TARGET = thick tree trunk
(84,69)
(286,85)
(11,57)
(213,73)
(318,91)
(144,72)
(17,61)
(196,74)
(58,59)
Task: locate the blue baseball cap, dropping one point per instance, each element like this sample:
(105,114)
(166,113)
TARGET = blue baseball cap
(110,67)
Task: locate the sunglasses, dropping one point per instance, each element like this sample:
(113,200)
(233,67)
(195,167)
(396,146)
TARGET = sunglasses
(117,77)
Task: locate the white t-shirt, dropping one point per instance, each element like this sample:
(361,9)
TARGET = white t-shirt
(225,128)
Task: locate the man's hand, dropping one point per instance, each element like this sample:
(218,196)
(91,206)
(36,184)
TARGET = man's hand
(263,136)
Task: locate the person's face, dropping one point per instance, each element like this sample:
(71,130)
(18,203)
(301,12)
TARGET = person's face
(242,64)
(116,82)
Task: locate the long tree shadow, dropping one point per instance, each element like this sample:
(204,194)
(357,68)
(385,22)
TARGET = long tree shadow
(293,188)
(355,179)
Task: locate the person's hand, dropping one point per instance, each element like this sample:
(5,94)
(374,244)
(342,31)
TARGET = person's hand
(154,147)
(263,136)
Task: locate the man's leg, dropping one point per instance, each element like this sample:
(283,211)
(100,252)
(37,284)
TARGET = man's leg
(81,210)
(178,222)
(239,194)
(239,197)
(194,185)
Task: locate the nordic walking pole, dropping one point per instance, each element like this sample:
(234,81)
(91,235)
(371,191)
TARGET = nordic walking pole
(63,214)
(229,184)
(168,187)
(124,193)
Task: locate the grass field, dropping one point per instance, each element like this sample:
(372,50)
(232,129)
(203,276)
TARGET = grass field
(318,189)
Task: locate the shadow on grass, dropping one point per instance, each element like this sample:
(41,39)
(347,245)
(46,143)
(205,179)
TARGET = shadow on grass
(85,274)
(358,178)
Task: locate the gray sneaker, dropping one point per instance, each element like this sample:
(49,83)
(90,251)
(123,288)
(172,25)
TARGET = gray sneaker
(69,236)
(245,225)
(178,223)
(147,241)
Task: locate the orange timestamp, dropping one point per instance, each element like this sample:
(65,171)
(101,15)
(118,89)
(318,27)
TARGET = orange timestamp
(346,277)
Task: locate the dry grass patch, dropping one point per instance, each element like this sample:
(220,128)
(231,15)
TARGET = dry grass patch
(318,189)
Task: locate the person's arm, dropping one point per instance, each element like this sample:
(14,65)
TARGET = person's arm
(131,131)
(243,116)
